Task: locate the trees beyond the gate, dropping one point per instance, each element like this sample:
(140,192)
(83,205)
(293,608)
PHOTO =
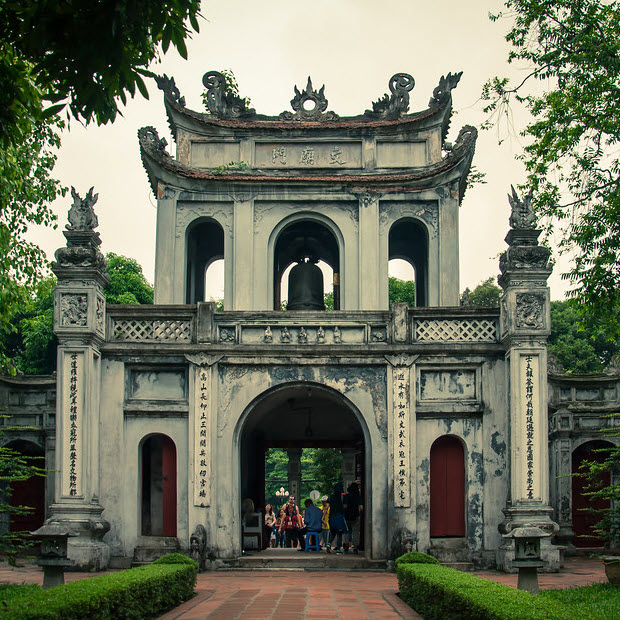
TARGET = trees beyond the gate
(572,90)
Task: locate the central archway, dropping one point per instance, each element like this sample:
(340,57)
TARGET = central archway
(296,416)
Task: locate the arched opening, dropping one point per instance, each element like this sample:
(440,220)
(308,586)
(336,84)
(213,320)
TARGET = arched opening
(297,422)
(158,460)
(408,241)
(583,506)
(302,239)
(401,282)
(30,492)
(214,282)
(447,488)
(205,244)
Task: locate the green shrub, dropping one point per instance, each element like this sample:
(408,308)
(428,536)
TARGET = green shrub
(144,592)
(438,592)
(175,558)
(416,557)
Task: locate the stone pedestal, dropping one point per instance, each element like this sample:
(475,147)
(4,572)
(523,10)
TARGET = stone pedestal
(294,474)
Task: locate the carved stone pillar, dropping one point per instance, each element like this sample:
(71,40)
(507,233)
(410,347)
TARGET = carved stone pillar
(348,468)
(525,326)
(294,473)
(79,323)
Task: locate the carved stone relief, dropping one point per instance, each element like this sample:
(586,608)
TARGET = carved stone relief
(530,308)
(73,310)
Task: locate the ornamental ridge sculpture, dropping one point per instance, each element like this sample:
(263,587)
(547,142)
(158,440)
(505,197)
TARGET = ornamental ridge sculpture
(446,85)
(223,102)
(316,112)
(170,89)
(390,107)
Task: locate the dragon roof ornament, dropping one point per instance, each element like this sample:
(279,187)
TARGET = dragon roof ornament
(222,101)
(443,90)
(170,89)
(396,104)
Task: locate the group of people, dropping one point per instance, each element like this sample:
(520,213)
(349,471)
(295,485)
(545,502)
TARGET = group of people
(336,523)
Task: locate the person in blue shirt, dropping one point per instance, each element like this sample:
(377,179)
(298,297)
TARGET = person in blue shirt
(312,519)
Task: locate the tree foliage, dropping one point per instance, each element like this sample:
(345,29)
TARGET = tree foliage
(487,293)
(401,291)
(572,90)
(84,54)
(127,282)
(578,348)
(26,189)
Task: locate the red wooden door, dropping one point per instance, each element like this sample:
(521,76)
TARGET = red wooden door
(583,519)
(169,487)
(447,481)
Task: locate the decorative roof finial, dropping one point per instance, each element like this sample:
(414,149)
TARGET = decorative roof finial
(446,85)
(170,89)
(522,215)
(81,214)
(315,111)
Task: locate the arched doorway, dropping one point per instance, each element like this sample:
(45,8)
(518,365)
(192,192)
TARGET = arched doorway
(30,492)
(159,486)
(582,506)
(408,241)
(302,239)
(447,492)
(296,417)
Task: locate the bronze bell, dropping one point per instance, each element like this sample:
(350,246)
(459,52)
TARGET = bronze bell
(305,287)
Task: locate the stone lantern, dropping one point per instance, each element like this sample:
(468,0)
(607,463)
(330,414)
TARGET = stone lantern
(527,556)
(53,557)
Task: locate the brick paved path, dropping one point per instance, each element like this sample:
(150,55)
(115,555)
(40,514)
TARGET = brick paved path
(294,595)
(298,594)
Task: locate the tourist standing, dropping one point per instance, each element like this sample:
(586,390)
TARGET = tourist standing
(325,524)
(337,523)
(279,534)
(270,520)
(352,514)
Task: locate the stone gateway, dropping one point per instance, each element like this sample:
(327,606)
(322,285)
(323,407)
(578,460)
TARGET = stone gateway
(164,412)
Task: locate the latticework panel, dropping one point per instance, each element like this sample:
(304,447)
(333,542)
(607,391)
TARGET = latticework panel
(136,330)
(455,330)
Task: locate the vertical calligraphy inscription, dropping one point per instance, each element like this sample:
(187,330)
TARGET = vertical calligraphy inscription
(72,426)
(402,437)
(528,425)
(202,457)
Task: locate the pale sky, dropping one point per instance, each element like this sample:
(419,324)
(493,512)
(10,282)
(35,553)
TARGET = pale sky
(351,46)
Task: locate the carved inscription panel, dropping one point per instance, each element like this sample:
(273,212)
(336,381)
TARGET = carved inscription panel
(449,384)
(214,154)
(308,155)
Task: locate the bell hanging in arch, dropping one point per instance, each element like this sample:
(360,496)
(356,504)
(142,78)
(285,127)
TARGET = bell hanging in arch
(305,286)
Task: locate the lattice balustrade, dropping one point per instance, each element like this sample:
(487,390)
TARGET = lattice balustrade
(138,330)
(455,330)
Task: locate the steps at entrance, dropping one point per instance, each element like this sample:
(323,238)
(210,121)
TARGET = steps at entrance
(292,559)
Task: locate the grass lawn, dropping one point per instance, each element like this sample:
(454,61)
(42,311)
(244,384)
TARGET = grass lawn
(600,600)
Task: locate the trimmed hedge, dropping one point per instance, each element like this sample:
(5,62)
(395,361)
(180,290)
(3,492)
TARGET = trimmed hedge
(415,557)
(143,592)
(438,592)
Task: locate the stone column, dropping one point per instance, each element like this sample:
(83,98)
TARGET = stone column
(525,326)
(169,288)
(79,323)
(243,282)
(294,473)
(369,264)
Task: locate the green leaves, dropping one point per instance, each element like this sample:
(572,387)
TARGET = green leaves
(572,159)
